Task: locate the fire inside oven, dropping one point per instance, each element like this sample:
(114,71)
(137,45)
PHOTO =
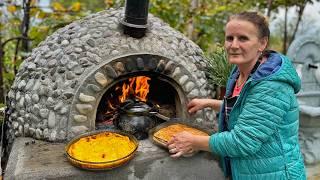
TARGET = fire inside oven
(136,105)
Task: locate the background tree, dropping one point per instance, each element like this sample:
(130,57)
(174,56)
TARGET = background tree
(299,6)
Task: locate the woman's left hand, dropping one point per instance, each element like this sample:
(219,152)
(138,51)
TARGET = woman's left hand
(181,144)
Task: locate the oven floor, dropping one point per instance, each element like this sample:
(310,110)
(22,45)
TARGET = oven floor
(34,159)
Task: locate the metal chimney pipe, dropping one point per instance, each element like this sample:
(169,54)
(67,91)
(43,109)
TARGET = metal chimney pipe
(135,19)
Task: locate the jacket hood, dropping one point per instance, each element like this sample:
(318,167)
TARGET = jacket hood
(278,68)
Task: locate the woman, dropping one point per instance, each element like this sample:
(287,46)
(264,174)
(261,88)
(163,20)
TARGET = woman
(258,122)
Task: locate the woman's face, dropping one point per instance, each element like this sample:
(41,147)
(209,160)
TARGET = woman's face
(242,42)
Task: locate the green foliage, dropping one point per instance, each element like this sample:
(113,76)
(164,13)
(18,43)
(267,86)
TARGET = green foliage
(218,67)
(275,43)
(207,18)
(202,21)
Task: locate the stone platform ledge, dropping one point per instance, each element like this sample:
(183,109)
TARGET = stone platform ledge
(313,172)
(44,160)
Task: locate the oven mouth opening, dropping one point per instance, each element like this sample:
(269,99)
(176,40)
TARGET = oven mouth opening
(134,97)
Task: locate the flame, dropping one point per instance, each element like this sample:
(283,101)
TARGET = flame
(137,86)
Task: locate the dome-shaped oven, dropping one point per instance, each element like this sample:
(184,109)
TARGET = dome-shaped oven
(58,88)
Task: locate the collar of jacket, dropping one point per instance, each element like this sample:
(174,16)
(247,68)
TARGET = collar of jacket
(270,66)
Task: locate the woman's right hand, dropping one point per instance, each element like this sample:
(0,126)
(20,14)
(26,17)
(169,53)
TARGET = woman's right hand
(197,104)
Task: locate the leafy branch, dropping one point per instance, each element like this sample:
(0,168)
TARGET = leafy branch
(218,67)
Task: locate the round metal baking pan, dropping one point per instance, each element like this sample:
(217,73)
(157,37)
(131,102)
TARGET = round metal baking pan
(108,165)
(163,143)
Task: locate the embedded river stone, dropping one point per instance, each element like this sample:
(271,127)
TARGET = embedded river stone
(101,79)
(80,118)
(86,98)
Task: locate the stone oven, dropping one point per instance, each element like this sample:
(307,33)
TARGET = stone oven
(74,81)
(59,88)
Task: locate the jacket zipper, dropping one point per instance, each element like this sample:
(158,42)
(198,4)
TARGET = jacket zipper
(240,95)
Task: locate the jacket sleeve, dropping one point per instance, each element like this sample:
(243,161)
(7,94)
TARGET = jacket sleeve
(263,109)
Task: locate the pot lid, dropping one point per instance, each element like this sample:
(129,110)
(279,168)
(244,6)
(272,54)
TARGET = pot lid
(136,107)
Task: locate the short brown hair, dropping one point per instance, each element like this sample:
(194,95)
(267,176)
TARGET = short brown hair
(259,21)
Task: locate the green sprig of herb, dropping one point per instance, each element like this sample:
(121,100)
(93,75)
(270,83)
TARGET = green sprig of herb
(218,67)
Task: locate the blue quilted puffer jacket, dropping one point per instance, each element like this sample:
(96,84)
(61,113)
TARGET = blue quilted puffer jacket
(262,142)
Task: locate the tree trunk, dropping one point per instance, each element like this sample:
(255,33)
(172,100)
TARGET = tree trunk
(190,25)
(285,33)
(15,68)
(2,91)
(269,6)
(300,13)
(25,25)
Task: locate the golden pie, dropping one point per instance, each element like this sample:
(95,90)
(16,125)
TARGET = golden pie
(165,134)
(102,147)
